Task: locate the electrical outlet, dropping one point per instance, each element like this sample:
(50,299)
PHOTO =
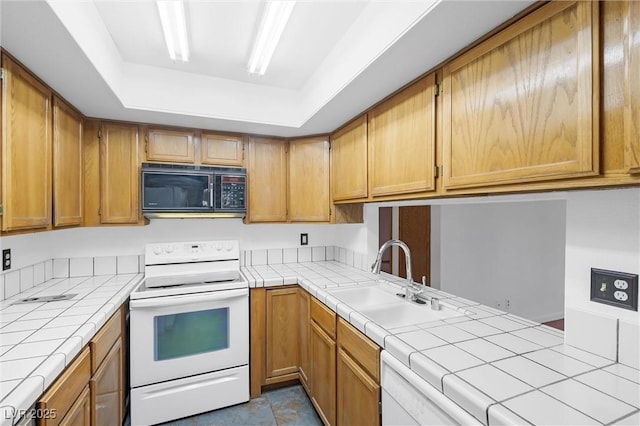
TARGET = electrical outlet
(304,239)
(6,259)
(614,288)
(507,304)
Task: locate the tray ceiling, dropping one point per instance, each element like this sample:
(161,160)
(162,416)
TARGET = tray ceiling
(335,58)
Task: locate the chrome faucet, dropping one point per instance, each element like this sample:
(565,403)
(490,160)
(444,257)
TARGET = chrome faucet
(411,289)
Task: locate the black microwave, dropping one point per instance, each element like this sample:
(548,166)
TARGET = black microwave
(177,188)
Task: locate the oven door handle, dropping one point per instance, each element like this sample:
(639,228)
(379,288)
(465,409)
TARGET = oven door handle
(161,302)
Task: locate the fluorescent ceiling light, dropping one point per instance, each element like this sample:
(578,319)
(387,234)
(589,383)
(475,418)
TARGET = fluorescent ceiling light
(274,19)
(174,26)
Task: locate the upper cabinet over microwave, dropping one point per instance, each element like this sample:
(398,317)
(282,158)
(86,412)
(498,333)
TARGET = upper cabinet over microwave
(172,188)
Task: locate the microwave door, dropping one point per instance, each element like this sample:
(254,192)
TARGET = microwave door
(176,192)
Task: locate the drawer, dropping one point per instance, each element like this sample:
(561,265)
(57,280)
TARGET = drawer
(324,317)
(360,347)
(65,391)
(104,339)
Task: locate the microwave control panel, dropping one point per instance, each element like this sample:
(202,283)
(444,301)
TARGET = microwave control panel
(233,192)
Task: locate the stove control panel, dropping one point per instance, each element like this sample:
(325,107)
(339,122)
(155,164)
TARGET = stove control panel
(184,252)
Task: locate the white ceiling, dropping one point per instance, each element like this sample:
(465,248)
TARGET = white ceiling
(221,36)
(334,60)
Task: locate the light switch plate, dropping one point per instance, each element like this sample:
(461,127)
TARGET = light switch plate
(614,288)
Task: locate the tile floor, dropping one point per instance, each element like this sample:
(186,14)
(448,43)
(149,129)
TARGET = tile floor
(287,406)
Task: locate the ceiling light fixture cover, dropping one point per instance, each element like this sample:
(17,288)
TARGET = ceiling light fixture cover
(174,26)
(274,20)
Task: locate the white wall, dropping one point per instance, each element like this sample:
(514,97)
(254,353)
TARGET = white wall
(32,248)
(603,231)
(495,252)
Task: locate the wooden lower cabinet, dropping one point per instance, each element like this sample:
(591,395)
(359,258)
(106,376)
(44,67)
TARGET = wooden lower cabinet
(87,394)
(61,396)
(80,412)
(323,374)
(106,389)
(304,368)
(282,334)
(358,378)
(295,336)
(274,335)
(358,395)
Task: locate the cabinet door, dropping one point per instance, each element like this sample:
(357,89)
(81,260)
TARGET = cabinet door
(267,174)
(402,141)
(175,146)
(80,412)
(119,174)
(67,165)
(522,106)
(358,395)
(222,150)
(26,149)
(282,332)
(303,320)
(309,180)
(64,392)
(632,101)
(349,161)
(323,374)
(106,389)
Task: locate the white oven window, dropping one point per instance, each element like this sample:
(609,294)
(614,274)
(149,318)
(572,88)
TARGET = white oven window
(190,333)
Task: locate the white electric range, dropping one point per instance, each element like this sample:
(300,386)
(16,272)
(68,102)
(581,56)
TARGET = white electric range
(189,338)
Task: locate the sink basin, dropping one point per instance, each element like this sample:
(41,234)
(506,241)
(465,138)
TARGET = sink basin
(406,313)
(379,303)
(365,295)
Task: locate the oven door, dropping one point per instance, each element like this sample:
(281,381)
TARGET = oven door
(178,336)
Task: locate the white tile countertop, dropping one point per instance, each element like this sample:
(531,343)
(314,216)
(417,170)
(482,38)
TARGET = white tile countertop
(500,368)
(38,340)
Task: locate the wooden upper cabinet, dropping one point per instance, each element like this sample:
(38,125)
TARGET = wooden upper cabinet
(67,165)
(26,149)
(223,150)
(401,138)
(174,146)
(119,174)
(632,98)
(349,161)
(267,174)
(309,180)
(522,106)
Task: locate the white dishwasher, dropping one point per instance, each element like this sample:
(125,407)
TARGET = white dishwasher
(407,399)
